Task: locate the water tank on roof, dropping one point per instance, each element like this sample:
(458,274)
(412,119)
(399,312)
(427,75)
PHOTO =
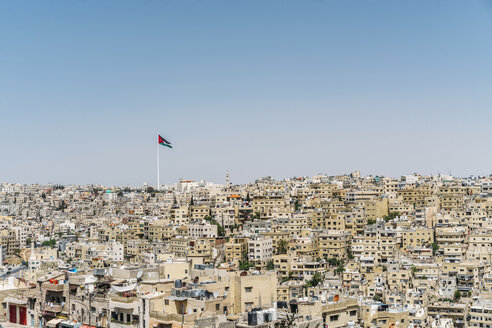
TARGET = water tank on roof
(267,316)
(259,317)
(252,318)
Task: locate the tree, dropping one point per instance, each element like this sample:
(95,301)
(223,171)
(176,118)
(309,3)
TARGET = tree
(457,296)
(192,201)
(391,216)
(371,221)
(50,243)
(244,265)
(334,262)
(315,280)
(296,205)
(282,246)
(350,256)
(435,247)
(289,277)
(270,265)
(339,270)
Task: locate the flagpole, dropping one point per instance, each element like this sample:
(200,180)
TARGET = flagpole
(158,173)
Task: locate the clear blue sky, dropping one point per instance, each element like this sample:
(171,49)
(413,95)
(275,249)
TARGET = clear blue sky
(260,88)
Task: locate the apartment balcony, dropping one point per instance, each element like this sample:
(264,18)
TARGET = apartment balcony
(465,277)
(123,302)
(53,287)
(52,307)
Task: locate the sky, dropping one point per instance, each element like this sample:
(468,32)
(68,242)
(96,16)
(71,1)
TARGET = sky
(258,88)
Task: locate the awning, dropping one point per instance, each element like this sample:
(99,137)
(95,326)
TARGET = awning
(122,289)
(53,322)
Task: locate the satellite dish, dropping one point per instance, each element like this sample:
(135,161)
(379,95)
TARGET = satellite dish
(139,275)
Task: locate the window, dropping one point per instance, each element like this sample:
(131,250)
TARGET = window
(248,289)
(333,318)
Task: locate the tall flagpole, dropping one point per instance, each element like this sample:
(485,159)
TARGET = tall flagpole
(158,173)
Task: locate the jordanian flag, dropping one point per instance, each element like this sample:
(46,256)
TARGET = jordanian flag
(164,142)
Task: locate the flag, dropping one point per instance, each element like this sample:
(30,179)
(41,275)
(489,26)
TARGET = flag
(164,142)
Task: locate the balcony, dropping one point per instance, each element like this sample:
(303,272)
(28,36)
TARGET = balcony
(123,299)
(53,307)
(53,287)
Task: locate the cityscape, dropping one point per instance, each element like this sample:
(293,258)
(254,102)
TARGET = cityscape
(321,251)
(245,164)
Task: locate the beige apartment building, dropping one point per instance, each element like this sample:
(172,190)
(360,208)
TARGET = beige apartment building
(249,291)
(333,244)
(451,197)
(266,206)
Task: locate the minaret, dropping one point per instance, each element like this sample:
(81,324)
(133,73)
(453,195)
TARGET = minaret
(228,184)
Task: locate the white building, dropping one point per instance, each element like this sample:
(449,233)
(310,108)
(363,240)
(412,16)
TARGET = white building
(202,231)
(260,249)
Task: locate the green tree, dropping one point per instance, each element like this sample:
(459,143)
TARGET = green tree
(334,262)
(289,277)
(270,265)
(315,280)
(391,216)
(371,221)
(339,270)
(350,256)
(296,205)
(282,246)
(50,243)
(457,296)
(435,247)
(244,265)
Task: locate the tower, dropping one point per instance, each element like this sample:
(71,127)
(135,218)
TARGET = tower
(228,184)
